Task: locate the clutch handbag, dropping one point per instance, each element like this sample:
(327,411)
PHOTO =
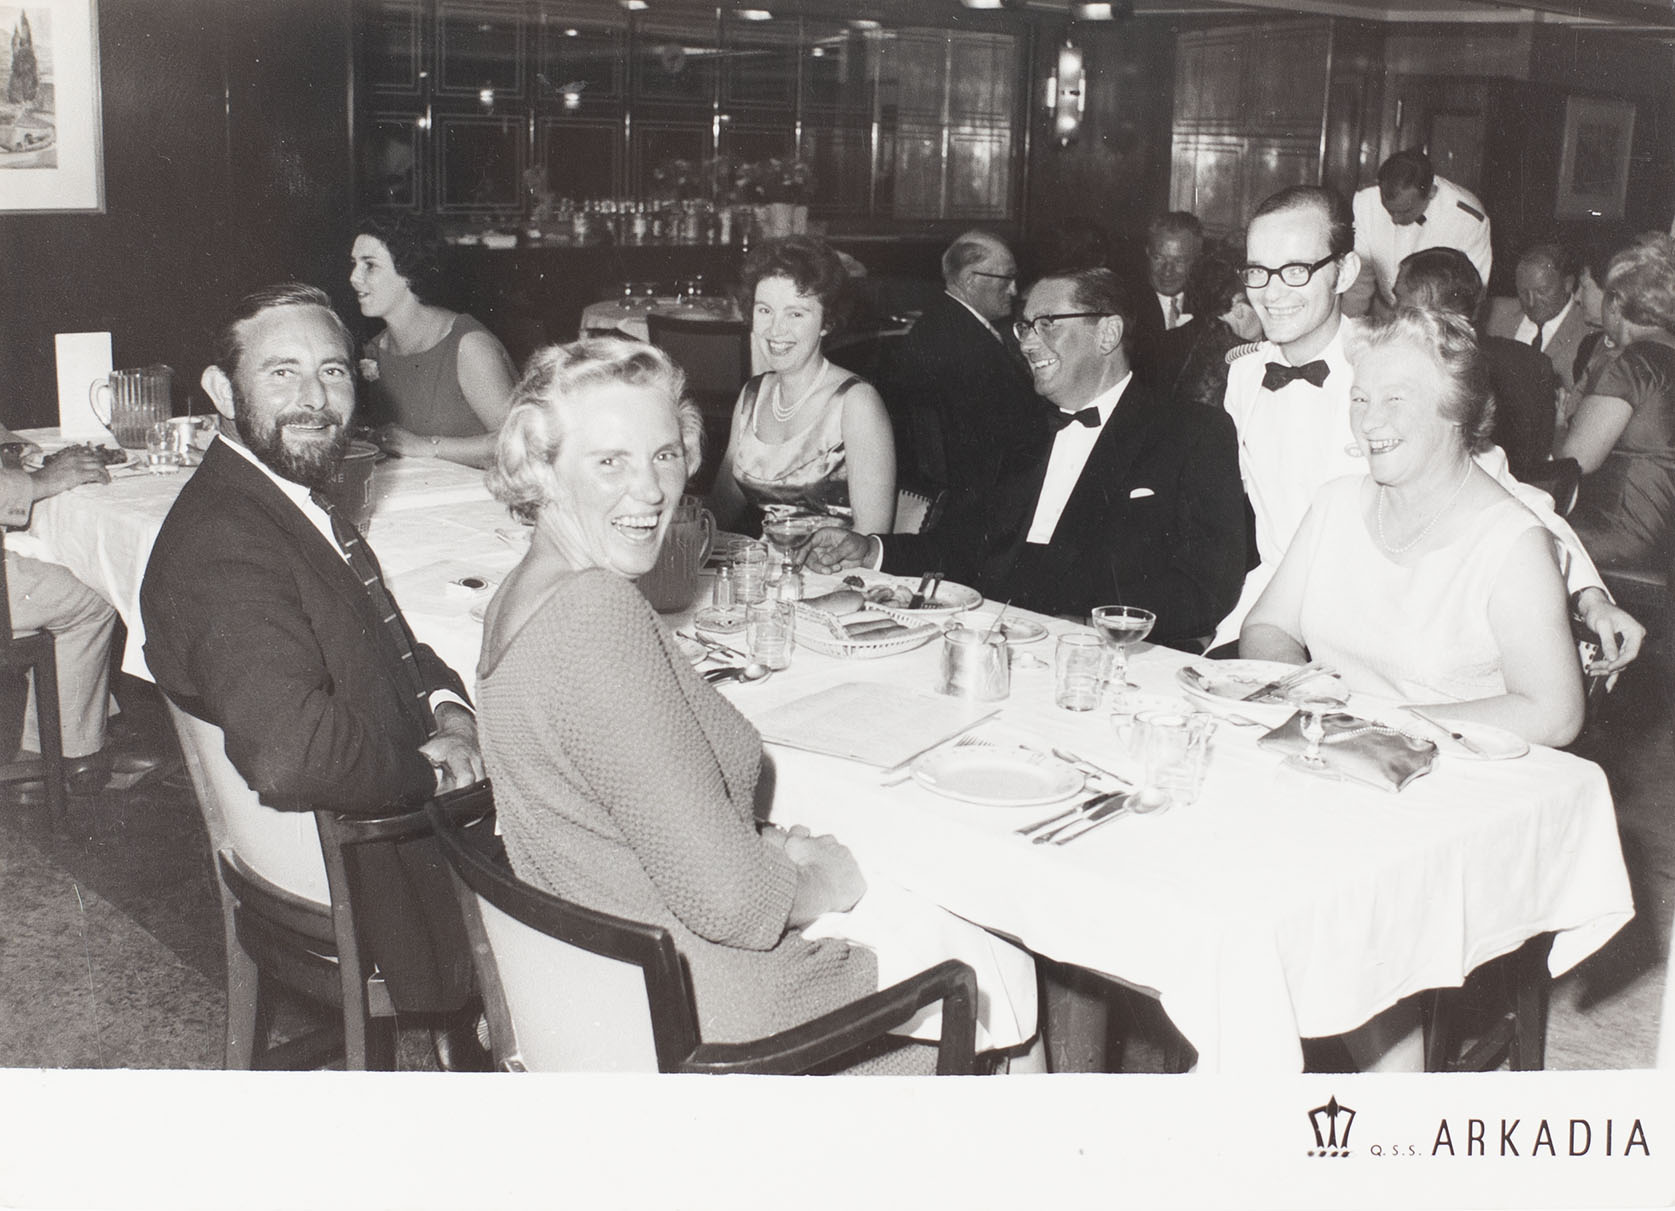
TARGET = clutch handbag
(1359,749)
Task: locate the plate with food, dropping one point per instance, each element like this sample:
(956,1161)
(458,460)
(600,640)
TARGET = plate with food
(893,595)
(1016,631)
(1470,741)
(1243,687)
(997,777)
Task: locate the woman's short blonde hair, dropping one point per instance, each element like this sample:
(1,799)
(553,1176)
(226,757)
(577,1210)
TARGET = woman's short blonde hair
(523,477)
(1452,345)
(1642,279)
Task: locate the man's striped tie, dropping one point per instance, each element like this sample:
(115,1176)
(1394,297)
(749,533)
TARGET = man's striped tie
(364,564)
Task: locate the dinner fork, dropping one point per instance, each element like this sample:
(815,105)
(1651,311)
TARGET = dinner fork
(897,776)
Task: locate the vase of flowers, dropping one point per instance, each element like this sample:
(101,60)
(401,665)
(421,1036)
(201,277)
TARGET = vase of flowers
(778,189)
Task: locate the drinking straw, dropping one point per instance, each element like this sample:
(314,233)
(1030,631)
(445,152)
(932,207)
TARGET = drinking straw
(996,623)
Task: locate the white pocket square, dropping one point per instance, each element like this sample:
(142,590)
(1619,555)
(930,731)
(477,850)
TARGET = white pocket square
(1140,493)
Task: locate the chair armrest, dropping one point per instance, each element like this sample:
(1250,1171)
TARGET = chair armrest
(832,1034)
(463,805)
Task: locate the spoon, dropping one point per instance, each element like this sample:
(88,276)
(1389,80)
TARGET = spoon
(754,671)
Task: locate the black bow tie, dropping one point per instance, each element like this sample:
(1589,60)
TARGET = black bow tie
(1420,220)
(1278,374)
(1058,418)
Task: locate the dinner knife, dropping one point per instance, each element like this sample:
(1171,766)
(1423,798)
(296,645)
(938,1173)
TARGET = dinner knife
(1471,746)
(1103,809)
(1104,816)
(1290,681)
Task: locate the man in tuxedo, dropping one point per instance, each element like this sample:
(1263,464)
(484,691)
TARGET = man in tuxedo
(1289,400)
(1133,500)
(1546,316)
(1411,208)
(265,614)
(968,400)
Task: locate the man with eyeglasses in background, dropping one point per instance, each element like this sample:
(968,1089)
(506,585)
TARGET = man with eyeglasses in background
(964,396)
(1135,499)
(1289,400)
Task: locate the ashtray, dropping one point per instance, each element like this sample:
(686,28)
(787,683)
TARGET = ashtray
(720,620)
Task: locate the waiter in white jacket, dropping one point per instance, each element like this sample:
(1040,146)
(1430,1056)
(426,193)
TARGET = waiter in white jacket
(1411,208)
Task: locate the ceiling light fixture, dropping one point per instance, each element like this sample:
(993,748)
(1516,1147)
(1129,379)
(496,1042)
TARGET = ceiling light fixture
(1092,12)
(755,14)
(983,3)
(634,6)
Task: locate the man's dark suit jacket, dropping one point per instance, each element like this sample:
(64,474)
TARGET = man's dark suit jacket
(255,623)
(1156,520)
(967,400)
(1526,402)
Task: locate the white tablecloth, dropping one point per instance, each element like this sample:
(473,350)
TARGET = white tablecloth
(1277,907)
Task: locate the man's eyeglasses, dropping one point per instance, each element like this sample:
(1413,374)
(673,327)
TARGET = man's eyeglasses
(1043,325)
(1003,277)
(1297,273)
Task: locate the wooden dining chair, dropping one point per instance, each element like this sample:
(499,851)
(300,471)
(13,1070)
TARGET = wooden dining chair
(1507,997)
(34,653)
(571,989)
(715,354)
(917,512)
(288,894)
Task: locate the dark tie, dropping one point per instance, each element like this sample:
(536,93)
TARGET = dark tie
(1058,418)
(1174,317)
(1535,341)
(1420,220)
(1278,374)
(364,565)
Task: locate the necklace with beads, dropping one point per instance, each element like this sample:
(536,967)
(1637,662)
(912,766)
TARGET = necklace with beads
(782,414)
(1429,526)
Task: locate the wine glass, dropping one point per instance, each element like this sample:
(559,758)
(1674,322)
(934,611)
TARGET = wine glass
(1314,705)
(790,534)
(1122,627)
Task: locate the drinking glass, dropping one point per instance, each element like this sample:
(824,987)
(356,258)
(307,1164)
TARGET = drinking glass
(750,573)
(1122,627)
(790,534)
(1079,664)
(975,664)
(1314,704)
(770,632)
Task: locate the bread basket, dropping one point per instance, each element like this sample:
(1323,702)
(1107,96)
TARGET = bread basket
(822,631)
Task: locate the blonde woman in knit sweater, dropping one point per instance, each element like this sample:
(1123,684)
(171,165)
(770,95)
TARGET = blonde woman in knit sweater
(624,781)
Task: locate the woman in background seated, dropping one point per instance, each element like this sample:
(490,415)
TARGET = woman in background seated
(437,380)
(1623,432)
(808,437)
(624,781)
(1425,581)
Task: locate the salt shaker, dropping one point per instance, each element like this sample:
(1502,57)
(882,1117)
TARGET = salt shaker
(790,583)
(723,595)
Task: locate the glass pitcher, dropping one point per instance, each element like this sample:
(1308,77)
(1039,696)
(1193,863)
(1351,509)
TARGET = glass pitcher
(129,402)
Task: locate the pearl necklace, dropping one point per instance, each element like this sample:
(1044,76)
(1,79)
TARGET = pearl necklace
(781,412)
(1429,526)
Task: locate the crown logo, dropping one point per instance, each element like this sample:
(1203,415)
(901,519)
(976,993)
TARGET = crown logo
(1331,1143)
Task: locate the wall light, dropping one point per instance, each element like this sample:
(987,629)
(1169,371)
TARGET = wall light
(1092,12)
(983,3)
(755,14)
(485,98)
(1067,94)
(634,6)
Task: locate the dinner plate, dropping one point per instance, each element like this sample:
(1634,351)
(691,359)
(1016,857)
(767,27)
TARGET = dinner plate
(948,600)
(1017,631)
(997,777)
(1493,743)
(1221,685)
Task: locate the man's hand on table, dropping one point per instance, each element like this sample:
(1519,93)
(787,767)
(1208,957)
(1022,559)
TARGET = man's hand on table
(832,550)
(453,750)
(69,468)
(1620,633)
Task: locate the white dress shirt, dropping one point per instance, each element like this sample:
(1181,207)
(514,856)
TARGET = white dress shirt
(1526,327)
(1165,301)
(1294,441)
(1071,448)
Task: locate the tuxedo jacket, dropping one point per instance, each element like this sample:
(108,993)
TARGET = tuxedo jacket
(1156,520)
(255,623)
(1526,391)
(967,403)
(1506,314)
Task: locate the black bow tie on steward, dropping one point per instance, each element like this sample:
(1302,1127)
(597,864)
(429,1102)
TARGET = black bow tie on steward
(1278,374)
(1058,418)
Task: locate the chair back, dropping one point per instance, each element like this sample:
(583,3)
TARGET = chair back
(567,989)
(916,512)
(282,847)
(714,353)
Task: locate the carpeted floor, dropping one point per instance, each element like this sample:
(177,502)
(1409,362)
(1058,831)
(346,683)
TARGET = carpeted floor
(111,946)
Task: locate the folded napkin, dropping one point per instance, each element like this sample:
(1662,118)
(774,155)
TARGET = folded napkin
(1359,749)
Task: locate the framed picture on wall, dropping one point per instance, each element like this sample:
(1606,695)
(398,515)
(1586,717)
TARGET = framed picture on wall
(1594,158)
(52,154)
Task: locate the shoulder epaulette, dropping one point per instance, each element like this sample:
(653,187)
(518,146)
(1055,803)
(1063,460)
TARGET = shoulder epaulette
(1238,351)
(1473,211)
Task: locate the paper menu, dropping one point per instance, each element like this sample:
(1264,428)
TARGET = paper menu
(882,725)
(84,358)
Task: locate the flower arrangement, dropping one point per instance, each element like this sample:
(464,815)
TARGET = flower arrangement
(776,179)
(684,179)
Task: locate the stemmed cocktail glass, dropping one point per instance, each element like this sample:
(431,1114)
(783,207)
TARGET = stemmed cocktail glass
(1121,627)
(790,534)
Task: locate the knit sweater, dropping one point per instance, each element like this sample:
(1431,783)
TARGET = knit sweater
(625,783)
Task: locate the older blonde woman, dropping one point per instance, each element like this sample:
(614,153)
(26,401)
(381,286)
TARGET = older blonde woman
(1425,580)
(624,781)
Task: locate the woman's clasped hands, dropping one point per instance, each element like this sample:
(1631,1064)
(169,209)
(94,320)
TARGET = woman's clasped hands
(828,877)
